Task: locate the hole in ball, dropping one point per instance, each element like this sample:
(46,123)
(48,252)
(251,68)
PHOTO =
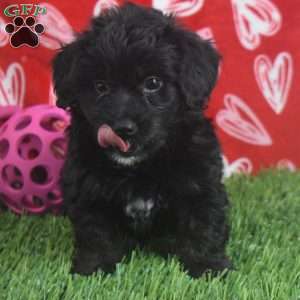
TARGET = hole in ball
(12,176)
(39,175)
(37,201)
(29,146)
(4,147)
(54,195)
(32,202)
(23,123)
(3,128)
(59,148)
(53,123)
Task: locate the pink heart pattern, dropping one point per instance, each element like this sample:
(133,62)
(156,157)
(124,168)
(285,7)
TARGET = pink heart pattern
(274,80)
(183,8)
(253,18)
(12,85)
(239,121)
(58,31)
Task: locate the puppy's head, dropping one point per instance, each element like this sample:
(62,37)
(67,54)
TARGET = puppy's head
(132,76)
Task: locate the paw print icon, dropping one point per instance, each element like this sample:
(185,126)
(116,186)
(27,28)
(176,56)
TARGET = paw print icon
(24,32)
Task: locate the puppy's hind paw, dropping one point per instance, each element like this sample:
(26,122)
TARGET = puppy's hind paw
(83,268)
(91,264)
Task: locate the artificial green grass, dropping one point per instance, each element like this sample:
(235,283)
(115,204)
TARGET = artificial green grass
(35,254)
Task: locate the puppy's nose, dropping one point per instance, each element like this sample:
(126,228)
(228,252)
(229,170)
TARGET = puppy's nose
(126,127)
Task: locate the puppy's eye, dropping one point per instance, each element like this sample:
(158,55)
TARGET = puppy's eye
(102,88)
(152,84)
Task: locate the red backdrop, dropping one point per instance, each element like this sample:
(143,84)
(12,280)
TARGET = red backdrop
(254,106)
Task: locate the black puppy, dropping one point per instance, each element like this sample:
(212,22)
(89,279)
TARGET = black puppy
(143,165)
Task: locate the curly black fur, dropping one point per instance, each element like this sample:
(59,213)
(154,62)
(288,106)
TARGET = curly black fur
(166,196)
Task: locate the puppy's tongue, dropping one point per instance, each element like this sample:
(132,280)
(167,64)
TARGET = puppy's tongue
(107,137)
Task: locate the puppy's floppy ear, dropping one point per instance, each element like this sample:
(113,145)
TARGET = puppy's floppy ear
(64,72)
(198,68)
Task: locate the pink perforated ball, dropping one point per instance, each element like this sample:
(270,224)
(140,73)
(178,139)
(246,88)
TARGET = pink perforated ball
(32,151)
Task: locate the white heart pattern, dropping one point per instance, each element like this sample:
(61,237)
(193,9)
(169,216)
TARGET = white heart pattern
(12,85)
(286,164)
(240,165)
(181,8)
(3,34)
(239,121)
(58,31)
(274,80)
(253,18)
(102,5)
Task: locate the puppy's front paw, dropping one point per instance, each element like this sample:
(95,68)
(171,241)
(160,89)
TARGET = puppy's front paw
(85,264)
(88,263)
(213,266)
(82,269)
